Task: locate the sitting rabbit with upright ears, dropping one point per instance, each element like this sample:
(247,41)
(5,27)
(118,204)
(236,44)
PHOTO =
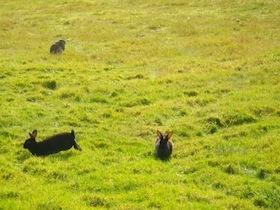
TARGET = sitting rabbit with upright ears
(164,146)
(53,144)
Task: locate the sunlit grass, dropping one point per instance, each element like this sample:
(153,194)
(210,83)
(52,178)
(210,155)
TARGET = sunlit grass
(206,70)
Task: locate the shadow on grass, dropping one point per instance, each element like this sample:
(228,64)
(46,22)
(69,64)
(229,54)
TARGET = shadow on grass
(65,155)
(162,159)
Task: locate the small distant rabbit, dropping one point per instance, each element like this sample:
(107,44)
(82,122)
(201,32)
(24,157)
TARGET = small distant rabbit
(53,144)
(58,47)
(163,146)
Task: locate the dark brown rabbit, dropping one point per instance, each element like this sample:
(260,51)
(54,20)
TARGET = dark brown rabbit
(54,144)
(164,146)
(58,47)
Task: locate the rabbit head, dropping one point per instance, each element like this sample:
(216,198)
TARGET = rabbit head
(29,143)
(163,138)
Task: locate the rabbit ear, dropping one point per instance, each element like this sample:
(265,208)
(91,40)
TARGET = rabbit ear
(169,135)
(159,134)
(34,134)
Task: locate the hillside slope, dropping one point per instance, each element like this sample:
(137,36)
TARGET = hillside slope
(206,70)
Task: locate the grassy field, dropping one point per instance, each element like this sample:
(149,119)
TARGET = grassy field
(206,70)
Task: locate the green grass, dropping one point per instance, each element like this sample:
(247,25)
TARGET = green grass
(207,70)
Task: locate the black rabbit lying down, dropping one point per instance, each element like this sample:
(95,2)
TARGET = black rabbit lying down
(58,47)
(53,144)
(164,146)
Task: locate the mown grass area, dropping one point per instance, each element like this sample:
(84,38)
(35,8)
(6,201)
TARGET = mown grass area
(206,70)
